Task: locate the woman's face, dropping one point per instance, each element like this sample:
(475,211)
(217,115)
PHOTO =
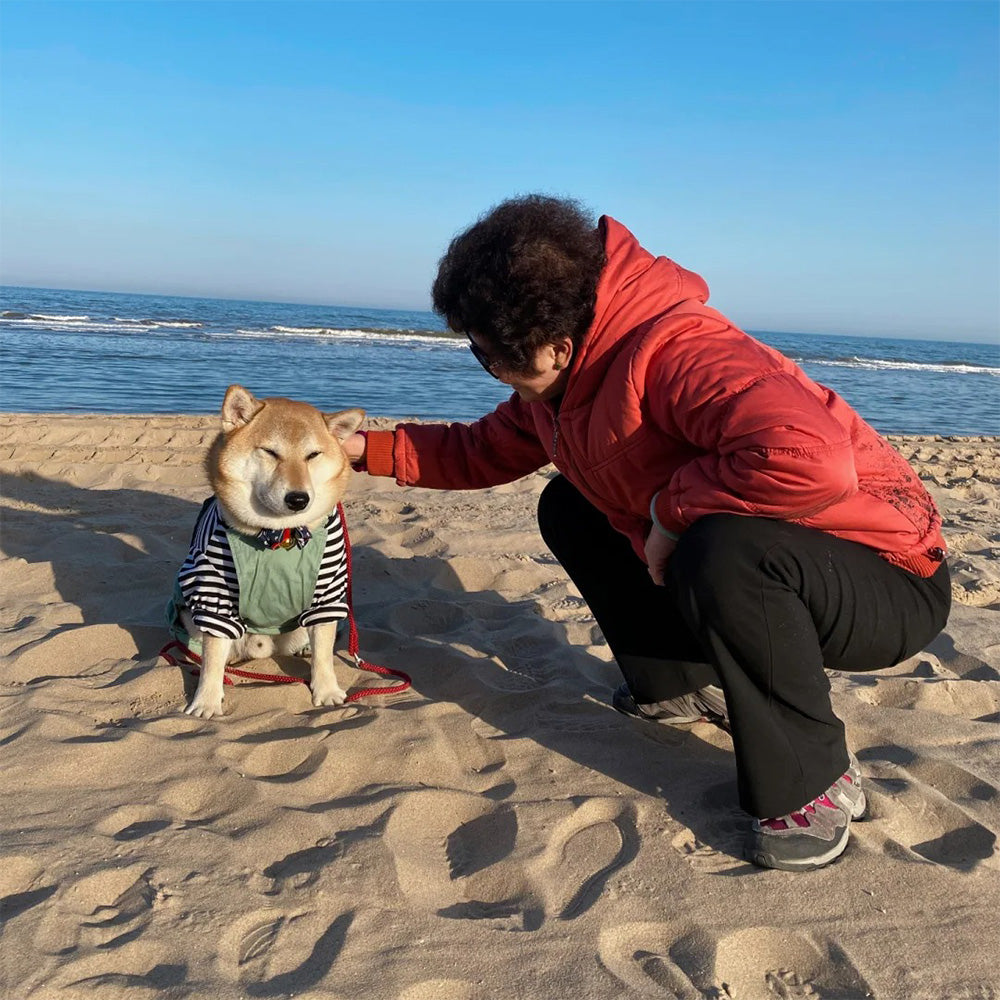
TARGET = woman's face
(545,380)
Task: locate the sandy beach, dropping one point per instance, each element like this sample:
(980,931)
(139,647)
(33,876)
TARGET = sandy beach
(497,831)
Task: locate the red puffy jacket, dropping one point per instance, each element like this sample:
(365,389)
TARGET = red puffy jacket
(667,399)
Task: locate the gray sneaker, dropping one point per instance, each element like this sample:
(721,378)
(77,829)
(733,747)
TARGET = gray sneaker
(707,704)
(814,835)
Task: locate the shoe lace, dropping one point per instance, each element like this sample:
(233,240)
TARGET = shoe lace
(800,817)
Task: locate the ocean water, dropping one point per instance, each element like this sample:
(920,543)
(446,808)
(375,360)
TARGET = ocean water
(103,352)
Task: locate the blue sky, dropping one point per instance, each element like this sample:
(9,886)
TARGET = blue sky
(828,167)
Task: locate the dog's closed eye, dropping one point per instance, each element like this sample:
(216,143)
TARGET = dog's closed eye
(312,455)
(271,452)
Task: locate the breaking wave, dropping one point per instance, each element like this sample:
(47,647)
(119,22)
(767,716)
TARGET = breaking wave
(876,364)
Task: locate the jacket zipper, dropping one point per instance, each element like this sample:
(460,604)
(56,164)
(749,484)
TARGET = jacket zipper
(555,435)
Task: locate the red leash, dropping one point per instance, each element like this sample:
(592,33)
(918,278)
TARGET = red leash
(352,648)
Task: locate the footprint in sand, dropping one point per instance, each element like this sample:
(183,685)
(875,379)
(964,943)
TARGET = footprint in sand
(304,867)
(491,612)
(250,938)
(481,842)
(463,856)
(482,862)
(283,763)
(578,716)
(717,848)
(497,676)
(23,886)
(722,859)
(452,855)
(662,960)
(427,617)
(537,655)
(563,603)
(286,755)
(56,656)
(464,759)
(584,851)
(912,818)
(764,963)
(104,910)
(303,959)
(973,794)
(421,541)
(979,666)
(134,822)
(216,798)
(969,699)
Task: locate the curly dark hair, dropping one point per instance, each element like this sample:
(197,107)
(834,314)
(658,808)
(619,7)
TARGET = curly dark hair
(523,276)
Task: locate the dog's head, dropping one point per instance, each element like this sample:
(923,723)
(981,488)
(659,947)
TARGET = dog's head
(279,463)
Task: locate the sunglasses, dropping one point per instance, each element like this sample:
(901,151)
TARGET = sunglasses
(483,358)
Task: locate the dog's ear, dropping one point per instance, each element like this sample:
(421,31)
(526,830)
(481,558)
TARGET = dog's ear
(239,408)
(344,423)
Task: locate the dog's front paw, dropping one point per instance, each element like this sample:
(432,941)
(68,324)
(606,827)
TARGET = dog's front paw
(204,706)
(329,693)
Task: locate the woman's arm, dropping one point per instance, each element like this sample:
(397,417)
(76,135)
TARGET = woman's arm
(496,449)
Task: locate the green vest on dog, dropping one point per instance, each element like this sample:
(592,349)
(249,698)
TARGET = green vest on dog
(232,583)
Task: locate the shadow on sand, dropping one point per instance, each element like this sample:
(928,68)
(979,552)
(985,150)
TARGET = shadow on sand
(113,555)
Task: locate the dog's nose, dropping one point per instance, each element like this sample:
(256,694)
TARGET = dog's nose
(296,501)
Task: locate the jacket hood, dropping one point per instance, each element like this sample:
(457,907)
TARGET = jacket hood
(634,288)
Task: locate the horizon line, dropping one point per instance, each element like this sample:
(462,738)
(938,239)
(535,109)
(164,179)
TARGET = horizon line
(987,339)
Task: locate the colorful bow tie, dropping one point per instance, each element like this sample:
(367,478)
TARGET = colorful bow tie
(284,538)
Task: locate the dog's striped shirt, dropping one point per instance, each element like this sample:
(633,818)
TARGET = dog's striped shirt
(211,590)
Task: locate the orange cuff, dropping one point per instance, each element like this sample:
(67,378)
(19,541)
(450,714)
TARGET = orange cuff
(378,454)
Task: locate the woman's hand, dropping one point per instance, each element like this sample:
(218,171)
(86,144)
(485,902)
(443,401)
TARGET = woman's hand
(354,447)
(659,548)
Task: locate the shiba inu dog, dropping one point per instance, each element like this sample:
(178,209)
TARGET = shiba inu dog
(266,570)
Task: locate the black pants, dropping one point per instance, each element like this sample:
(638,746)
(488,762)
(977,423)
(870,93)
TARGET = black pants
(759,607)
